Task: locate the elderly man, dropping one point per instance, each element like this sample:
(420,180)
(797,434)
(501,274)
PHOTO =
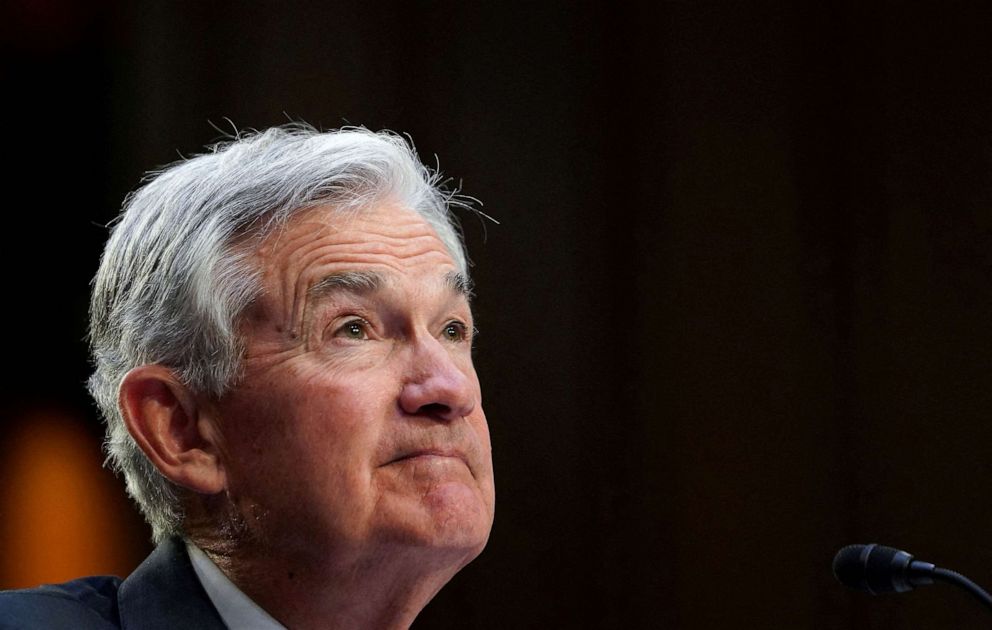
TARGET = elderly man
(282,340)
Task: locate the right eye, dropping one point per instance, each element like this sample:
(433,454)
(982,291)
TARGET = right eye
(357,329)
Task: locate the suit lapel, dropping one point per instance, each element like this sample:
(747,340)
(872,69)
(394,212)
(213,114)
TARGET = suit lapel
(164,593)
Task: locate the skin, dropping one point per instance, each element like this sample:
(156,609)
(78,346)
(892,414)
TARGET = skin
(348,476)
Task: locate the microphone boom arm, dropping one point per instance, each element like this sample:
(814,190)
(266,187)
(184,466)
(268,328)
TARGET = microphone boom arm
(953,577)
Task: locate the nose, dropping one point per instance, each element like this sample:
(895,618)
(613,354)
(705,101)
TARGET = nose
(436,386)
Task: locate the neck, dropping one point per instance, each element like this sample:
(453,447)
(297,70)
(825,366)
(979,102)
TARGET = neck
(346,589)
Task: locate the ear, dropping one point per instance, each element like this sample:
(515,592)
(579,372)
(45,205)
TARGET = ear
(175,432)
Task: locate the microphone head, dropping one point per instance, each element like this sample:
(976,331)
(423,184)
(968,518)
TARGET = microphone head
(849,566)
(873,569)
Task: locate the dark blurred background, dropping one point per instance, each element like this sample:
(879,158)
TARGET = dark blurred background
(735,316)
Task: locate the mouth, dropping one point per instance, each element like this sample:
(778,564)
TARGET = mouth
(427,454)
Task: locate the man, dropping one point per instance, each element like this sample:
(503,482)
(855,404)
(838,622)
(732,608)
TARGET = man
(282,338)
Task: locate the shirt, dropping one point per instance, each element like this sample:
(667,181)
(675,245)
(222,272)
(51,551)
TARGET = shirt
(235,608)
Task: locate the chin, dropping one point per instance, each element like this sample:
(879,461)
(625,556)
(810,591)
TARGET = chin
(448,519)
(460,515)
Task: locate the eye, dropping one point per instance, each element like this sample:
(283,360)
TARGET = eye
(354,329)
(455,331)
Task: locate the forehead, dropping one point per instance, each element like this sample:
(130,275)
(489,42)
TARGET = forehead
(389,240)
(387,229)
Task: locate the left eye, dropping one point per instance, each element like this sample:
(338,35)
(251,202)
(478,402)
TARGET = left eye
(454,331)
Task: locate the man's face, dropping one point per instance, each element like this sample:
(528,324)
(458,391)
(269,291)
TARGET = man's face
(358,425)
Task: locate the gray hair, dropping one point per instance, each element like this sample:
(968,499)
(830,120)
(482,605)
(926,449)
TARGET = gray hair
(173,279)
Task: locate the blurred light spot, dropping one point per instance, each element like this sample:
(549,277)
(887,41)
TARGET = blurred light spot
(62,515)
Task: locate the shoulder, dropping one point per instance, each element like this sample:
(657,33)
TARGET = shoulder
(84,604)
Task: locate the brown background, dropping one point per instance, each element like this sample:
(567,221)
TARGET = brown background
(736,314)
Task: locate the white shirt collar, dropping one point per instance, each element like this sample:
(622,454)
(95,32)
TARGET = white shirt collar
(235,608)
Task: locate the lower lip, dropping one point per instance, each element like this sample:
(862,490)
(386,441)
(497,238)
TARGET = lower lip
(432,468)
(432,461)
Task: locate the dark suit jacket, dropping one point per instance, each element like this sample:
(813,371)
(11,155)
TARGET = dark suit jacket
(163,593)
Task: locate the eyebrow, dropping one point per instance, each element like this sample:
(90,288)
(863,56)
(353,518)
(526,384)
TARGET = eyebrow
(360,282)
(365,282)
(459,283)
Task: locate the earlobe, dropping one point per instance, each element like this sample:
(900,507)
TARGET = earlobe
(173,430)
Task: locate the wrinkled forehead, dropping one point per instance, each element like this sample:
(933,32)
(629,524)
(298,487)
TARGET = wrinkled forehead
(385,227)
(323,250)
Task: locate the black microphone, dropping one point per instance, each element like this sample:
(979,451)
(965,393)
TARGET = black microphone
(877,569)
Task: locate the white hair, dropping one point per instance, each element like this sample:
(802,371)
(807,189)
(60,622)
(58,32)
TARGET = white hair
(173,281)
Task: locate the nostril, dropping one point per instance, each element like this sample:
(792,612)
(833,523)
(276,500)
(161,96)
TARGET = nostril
(435,410)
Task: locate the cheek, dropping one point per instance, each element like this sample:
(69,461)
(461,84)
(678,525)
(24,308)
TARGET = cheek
(303,461)
(488,482)
(322,436)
